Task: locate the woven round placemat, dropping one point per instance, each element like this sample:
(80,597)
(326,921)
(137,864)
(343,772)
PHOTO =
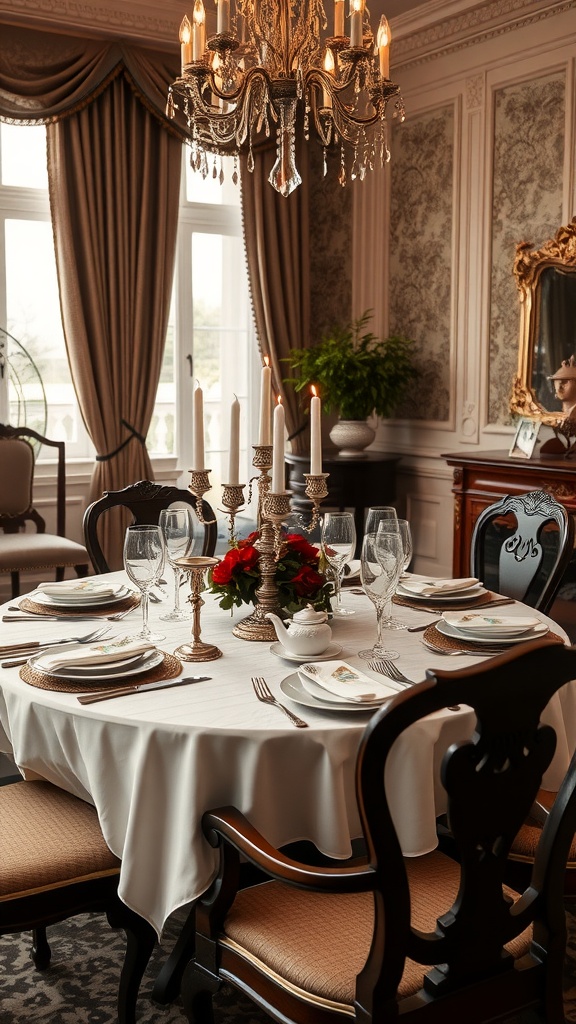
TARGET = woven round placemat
(448,643)
(434,602)
(169,668)
(27,605)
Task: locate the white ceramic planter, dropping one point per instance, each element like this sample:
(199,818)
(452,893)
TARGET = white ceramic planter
(352,437)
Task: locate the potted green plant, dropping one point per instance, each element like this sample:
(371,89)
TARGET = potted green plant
(357,375)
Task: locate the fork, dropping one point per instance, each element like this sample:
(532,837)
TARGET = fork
(264,693)
(21,658)
(388,668)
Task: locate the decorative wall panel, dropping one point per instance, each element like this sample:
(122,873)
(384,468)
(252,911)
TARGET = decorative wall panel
(330,244)
(421,218)
(526,206)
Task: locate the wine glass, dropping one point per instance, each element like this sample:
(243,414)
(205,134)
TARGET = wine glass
(380,566)
(144,554)
(402,528)
(338,546)
(178,531)
(378,514)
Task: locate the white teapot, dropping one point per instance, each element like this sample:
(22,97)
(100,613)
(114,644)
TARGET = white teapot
(308,632)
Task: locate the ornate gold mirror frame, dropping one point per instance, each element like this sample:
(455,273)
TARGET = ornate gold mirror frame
(546,280)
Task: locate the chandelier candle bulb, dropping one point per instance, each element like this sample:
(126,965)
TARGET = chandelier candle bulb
(223,18)
(198,445)
(356,32)
(383,40)
(198,30)
(234,453)
(264,437)
(278,471)
(185,41)
(338,17)
(329,69)
(315,435)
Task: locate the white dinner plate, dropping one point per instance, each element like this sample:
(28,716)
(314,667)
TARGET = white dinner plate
(463,595)
(332,651)
(493,625)
(85,601)
(292,687)
(482,638)
(131,666)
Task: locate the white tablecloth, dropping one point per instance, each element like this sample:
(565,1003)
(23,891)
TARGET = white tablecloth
(153,763)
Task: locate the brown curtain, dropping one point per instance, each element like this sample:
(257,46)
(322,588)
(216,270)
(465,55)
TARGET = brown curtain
(276,237)
(114,214)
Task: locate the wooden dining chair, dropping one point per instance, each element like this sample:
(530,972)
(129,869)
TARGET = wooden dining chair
(54,864)
(143,501)
(434,938)
(521,547)
(22,550)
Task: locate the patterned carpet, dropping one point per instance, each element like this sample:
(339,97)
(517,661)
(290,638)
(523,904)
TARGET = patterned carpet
(80,986)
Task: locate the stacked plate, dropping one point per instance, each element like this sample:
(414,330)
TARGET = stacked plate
(492,629)
(337,686)
(79,594)
(93,664)
(428,590)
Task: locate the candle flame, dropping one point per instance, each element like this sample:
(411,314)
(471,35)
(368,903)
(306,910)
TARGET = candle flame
(279,400)
(199,14)
(185,30)
(384,34)
(313,390)
(266,360)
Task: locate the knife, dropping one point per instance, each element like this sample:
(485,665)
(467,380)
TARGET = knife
(464,607)
(124,691)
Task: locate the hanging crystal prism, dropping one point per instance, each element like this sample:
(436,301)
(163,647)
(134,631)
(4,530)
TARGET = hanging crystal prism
(284,176)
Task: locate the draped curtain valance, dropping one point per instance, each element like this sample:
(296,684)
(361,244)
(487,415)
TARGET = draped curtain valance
(45,76)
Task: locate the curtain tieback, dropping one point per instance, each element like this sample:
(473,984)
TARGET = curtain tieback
(133,433)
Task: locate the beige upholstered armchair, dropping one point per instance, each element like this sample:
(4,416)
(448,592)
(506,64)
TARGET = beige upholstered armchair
(21,549)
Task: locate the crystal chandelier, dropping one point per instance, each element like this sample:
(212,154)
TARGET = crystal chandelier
(271,66)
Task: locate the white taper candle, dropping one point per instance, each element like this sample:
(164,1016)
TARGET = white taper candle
(198,439)
(278,470)
(234,452)
(315,435)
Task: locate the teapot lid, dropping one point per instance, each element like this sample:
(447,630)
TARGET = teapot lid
(310,616)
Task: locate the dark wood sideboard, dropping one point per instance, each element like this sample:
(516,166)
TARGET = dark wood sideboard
(352,483)
(481,478)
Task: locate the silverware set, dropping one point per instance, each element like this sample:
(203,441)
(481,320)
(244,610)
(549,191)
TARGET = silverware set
(264,693)
(18,654)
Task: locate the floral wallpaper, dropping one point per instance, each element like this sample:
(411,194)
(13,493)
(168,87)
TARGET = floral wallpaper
(421,234)
(526,206)
(330,243)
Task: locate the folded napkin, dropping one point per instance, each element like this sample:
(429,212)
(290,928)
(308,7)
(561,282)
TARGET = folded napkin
(94,654)
(339,678)
(434,588)
(499,625)
(80,588)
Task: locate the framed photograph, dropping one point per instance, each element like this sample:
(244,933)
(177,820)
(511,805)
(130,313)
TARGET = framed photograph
(525,439)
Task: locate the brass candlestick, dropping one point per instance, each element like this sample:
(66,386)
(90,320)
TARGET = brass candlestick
(199,484)
(197,650)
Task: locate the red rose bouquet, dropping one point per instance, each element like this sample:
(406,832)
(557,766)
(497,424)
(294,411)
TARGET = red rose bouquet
(299,577)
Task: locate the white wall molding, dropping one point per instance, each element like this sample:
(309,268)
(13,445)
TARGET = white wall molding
(444,28)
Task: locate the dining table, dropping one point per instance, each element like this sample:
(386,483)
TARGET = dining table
(153,762)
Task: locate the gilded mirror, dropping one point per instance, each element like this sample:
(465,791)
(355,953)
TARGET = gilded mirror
(546,280)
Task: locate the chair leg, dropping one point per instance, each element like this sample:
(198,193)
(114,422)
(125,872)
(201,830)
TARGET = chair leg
(198,988)
(40,952)
(15,577)
(140,942)
(81,570)
(59,574)
(167,985)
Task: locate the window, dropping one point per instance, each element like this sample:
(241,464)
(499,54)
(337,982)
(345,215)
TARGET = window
(209,339)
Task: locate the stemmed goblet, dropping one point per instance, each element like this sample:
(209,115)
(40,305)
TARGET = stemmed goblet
(380,566)
(377,514)
(178,531)
(144,555)
(402,528)
(338,546)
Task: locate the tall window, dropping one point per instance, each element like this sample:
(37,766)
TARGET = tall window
(209,338)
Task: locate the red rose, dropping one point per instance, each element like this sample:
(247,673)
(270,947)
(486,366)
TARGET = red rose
(301,546)
(249,541)
(307,581)
(238,559)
